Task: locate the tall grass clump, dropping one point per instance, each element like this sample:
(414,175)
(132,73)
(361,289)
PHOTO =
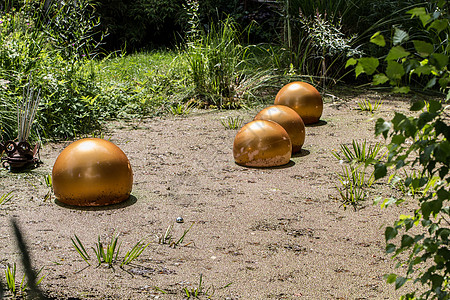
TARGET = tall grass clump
(217,63)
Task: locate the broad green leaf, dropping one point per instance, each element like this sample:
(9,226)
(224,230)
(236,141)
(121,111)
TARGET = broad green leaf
(398,139)
(421,13)
(382,127)
(391,278)
(418,105)
(423,48)
(401,90)
(434,106)
(423,70)
(378,39)
(358,70)
(389,249)
(444,82)
(351,62)
(380,171)
(400,36)
(439,60)
(396,53)
(406,241)
(431,83)
(368,64)
(379,79)
(439,25)
(400,281)
(394,70)
(390,233)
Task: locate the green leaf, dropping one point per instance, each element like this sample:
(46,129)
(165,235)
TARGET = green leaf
(396,53)
(431,83)
(380,171)
(439,60)
(406,241)
(378,39)
(400,36)
(382,127)
(418,105)
(380,79)
(368,65)
(439,25)
(400,281)
(389,249)
(423,70)
(421,13)
(434,106)
(401,90)
(423,48)
(391,278)
(351,62)
(444,82)
(398,139)
(394,70)
(390,233)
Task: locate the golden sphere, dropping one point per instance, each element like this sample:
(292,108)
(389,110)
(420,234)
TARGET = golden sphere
(92,172)
(303,98)
(289,119)
(262,143)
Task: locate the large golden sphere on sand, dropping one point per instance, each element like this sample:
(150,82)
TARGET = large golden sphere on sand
(92,172)
(262,143)
(289,119)
(303,98)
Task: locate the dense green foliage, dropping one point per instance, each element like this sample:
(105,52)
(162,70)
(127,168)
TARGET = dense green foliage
(420,146)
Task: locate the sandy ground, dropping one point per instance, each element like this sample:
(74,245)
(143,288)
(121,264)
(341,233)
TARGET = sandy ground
(277,233)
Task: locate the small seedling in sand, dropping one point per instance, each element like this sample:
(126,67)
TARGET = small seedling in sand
(5,198)
(167,238)
(48,183)
(232,122)
(359,152)
(180,109)
(109,254)
(366,105)
(196,292)
(353,184)
(11,284)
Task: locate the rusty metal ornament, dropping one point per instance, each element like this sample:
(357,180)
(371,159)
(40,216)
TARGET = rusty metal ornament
(289,119)
(19,156)
(262,143)
(303,98)
(92,172)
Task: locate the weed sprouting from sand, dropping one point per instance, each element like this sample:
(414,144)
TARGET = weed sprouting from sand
(180,109)
(366,105)
(232,122)
(11,282)
(359,152)
(199,290)
(6,197)
(109,253)
(167,237)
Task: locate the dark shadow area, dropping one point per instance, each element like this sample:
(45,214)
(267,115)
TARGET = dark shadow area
(301,153)
(130,201)
(288,165)
(320,123)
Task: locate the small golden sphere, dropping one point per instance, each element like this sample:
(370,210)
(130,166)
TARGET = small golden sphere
(92,172)
(303,98)
(289,119)
(262,143)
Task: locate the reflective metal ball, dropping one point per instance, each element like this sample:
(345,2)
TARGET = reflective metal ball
(92,172)
(180,220)
(262,143)
(289,119)
(303,98)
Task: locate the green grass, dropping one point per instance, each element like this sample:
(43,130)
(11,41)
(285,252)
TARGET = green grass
(232,122)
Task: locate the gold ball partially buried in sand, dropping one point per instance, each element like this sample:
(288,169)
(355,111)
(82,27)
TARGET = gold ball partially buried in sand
(303,98)
(262,143)
(289,119)
(92,172)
